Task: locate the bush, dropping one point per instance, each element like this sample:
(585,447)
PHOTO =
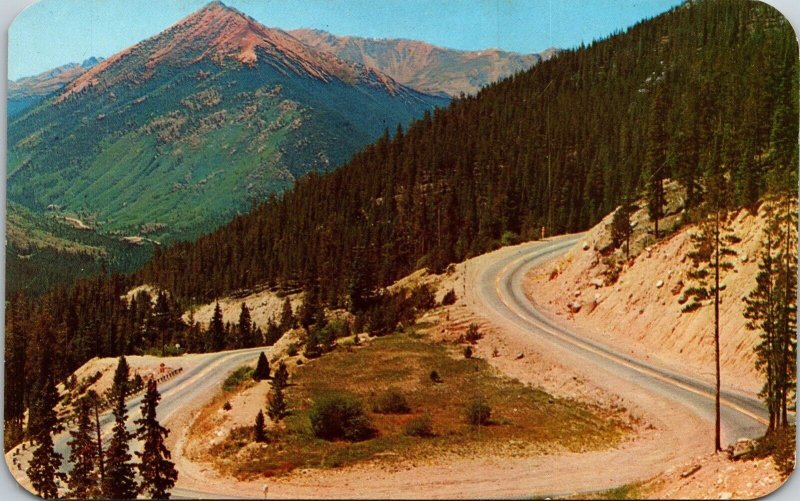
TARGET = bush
(340,417)
(435,377)
(478,412)
(292,349)
(468,352)
(473,334)
(509,238)
(421,426)
(693,306)
(227,406)
(449,298)
(422,298)
(391,402)
(236,377)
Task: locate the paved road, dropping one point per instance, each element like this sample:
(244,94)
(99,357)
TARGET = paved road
(495,288)
(500,287)
(193,385)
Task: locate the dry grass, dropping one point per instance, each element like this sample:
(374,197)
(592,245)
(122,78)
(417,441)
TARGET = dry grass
(524,420)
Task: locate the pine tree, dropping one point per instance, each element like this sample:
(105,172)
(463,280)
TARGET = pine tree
(621,228)
(121,382)
(119,481)
(245,329)
(44,468)
(771,308)
(287,320)
(262,368)
(281,377)
(83,477)
(276,403)
(94,399)
(273,333)
(259,429)
(710,257)
(762,315)
(656,158)
(217,330)
(158,473)
(311,311)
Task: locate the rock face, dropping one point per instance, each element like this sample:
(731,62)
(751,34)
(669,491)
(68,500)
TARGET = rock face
(642,310)
(422,66)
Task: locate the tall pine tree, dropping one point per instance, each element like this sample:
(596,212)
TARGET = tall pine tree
(44,468)
(217,330)
(119,481)
(83,480)
(158,473)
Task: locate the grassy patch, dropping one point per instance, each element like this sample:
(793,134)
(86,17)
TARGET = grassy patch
(523,420)
(633,490)
(237,377)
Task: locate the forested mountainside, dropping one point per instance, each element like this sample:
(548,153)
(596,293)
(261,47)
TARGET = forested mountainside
(709,88)
(422,66)
(43,251)
(174,136)
(706,92)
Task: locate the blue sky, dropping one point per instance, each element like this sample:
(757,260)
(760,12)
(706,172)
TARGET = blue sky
(53,32)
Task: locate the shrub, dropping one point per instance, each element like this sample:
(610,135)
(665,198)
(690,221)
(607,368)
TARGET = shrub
(449,298)
(391,402)
(468,352)
(435,377)
(236,377)
(227,406)
(478,412)
(693,306)
(421,426)
(509,238)
(473,333)
(292,349)
(340,417)
(422,298)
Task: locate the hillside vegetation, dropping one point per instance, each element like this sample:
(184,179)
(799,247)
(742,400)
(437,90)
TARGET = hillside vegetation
(45,251)
(177,134)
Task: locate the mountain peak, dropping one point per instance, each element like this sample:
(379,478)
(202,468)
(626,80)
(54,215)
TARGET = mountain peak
(218,33)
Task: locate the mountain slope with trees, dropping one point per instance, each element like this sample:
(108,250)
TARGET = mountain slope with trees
(174,136)
(706,91)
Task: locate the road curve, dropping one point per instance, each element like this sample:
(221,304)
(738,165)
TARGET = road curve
(501,287)
(189,389)
(494,290)
(681,406)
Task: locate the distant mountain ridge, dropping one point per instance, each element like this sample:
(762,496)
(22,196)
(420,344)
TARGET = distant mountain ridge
(423,66)
(180,132)
(29,91)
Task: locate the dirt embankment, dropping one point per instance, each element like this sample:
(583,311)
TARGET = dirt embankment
(641,313)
